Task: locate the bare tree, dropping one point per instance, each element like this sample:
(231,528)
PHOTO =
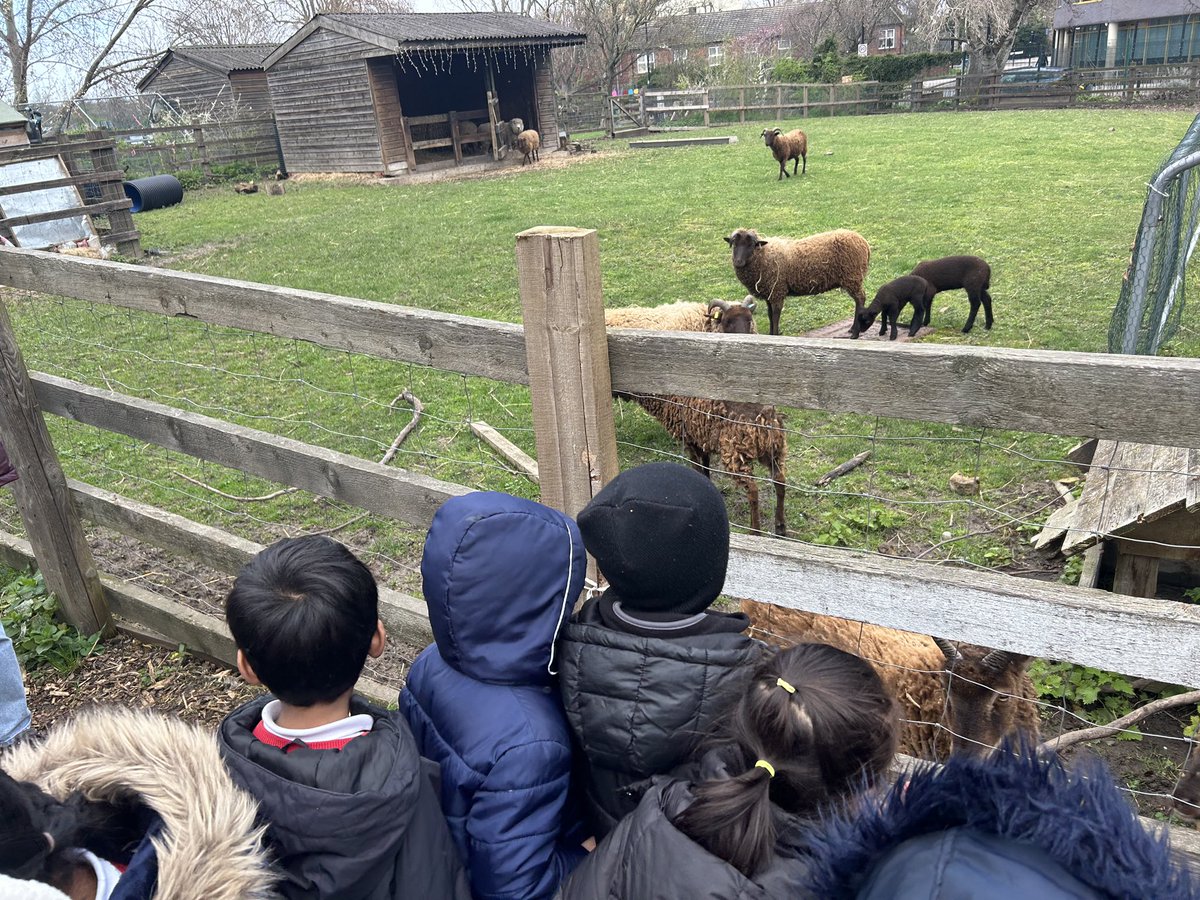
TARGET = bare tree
(74,44)
(614,29)
(296,12)
(538,9)
(200,22)
(986,27)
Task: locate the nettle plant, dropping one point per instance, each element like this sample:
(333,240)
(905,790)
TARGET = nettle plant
(1094,694)
(27,612)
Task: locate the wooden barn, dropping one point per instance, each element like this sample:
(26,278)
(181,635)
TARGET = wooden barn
(12,127)
(380,92)
(199,80)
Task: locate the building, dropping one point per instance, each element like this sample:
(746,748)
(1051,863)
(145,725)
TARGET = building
(1110,33)
(202,80)
(13,131)
(384,92)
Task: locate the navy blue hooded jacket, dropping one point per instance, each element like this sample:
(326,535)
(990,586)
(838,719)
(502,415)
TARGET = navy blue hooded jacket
(1009,826)
(500,575)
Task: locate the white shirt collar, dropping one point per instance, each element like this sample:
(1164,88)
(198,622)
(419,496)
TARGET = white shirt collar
(339,730)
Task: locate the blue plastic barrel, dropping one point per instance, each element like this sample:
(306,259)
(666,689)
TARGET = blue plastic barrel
(154,192)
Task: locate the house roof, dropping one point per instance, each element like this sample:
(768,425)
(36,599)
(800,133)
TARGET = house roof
(9,115)
(222,59)
(397,32)
(1077,13)
(729,24)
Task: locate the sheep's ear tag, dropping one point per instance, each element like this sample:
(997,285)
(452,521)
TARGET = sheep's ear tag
(715,314)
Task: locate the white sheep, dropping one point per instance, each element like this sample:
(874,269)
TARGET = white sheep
(991,694)
(773,268)
(740,434)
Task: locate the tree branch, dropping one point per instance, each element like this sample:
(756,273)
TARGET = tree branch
(1117,725)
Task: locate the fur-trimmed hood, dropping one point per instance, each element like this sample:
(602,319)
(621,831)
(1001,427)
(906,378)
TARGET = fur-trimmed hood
(1011,825)
(209,847)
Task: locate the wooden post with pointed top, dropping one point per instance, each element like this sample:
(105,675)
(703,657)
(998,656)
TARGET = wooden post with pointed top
(567,354)
(50,517)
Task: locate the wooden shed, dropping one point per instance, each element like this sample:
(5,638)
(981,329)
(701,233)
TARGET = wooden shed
(12,127)
(382,92)
(1137,519)
(199,80)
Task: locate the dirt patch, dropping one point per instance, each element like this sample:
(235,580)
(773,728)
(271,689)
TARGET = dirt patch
(842,330)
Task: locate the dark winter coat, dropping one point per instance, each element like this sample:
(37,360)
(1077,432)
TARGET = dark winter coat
(500,575)
(361,822)
(647,858)
(1011,826)
(639,706)
(8,472)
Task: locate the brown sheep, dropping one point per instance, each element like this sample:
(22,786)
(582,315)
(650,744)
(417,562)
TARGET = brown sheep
(793,145)
(1187,789)
(528,142)
(739,433)
(990,696)
(774,268)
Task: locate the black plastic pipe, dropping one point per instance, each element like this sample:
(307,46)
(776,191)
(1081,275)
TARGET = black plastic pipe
(154,192)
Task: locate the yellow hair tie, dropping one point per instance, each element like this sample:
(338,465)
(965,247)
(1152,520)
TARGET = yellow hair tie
(783,684)
(763,764)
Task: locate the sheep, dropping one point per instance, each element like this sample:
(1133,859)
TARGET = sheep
(739,433)
(990,695)
(890,299)
(773,268)
(953,272)
(528,142)
(1186,795)
(793,145)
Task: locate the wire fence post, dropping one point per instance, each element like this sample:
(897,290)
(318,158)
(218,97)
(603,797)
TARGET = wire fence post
(51,520)
(567,354)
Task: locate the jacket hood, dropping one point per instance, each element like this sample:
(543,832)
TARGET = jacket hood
(336,819)
(1011,825)
(500,574)
(104,752)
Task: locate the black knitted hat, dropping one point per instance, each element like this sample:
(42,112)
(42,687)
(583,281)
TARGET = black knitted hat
(660,535)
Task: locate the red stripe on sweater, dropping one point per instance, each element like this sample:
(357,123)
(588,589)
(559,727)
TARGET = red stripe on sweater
(287,745)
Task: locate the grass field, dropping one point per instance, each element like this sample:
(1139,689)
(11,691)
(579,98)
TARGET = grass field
(1051,198)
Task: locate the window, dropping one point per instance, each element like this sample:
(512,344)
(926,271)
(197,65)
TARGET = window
(715,54)
(784,45)
(887,39)
(645,63)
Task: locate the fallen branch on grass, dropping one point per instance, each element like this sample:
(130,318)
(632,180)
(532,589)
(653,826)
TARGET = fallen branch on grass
(220,493)
(848,466)
(417,407)
(1117,725)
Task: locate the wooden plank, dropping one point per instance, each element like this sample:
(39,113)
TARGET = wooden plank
(92,209)
(86,178)
(1081,454)
(401,613)
(507,449)
(1135,575)
(443,340)
(1056,526)
(41,493)
(1091,499)
(1192,499)
(558,271)
(1044,391)
(49,150)
(1093,558)
(1156,639)
(388,490)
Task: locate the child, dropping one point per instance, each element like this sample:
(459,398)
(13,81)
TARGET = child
(500,575)
(136,805)
(350,809)
(647,669)
(814,724)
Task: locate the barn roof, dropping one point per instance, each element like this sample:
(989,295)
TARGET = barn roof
(222,59)
(10,116)
(395,32)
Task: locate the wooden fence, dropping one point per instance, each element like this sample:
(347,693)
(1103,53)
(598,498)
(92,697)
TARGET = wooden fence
(202,149)
(92,167)
(572,366)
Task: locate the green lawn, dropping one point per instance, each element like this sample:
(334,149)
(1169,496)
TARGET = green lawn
(1051,198)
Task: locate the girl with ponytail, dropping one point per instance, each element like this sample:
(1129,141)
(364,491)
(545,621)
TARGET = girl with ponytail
(814,725)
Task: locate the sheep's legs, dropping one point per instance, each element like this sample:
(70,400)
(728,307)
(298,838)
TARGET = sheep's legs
(797,165)
(987,309)
(974,298)
(783,170)
(777,477)
(804,171)
(774,311)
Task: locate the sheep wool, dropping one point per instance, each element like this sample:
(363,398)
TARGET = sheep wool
(528,142)
(786,147)
(773,268)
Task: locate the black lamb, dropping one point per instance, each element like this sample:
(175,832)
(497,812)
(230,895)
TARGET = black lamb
(951,273)
(890,299)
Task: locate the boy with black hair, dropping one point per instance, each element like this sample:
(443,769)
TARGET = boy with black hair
(350,808)
(647,669)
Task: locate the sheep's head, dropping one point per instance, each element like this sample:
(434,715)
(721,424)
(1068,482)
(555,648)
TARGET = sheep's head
(986,696)
(517,125)
(732,318)
(744,241)
(769,135)
(863,319)
(1187,789)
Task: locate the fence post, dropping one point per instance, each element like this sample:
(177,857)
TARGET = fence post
(51,520)
(120,221)
(558,271)
(805,101)
(778,102)
(742,106)
(205,164)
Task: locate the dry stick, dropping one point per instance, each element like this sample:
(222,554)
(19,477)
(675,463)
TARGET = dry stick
(220,493)
(417,407)
(841,470)
(1100,731)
